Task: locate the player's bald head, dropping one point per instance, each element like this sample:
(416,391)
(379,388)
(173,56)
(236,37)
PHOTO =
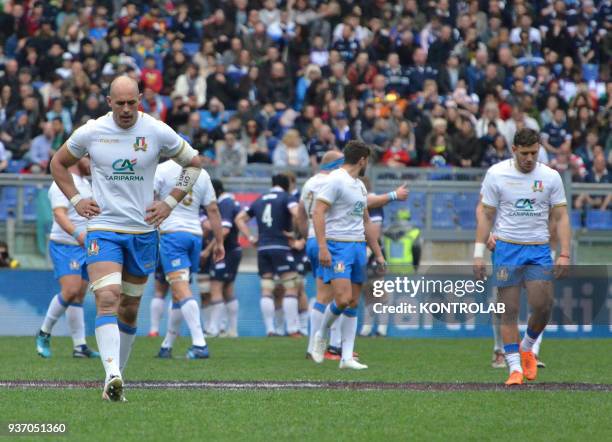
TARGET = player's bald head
(123,99)
(330,156)
(123,85)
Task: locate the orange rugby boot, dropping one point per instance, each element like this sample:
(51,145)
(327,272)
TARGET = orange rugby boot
(529,362)
(515,378)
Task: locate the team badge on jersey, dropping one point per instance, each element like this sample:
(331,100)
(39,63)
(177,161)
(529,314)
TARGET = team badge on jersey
(140,144)
(339,267)
(538,186)
(74,265)
(93,248)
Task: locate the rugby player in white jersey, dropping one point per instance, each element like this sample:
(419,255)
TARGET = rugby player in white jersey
(67,251)
(517,196)
(342,227)
(122,242)
(330,161)
(180,247)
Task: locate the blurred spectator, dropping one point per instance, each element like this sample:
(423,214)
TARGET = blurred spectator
(556,134)
(4,157)
(598,174)
(153,104)
(255,143)
(151,76)
(495,151)
(41,150)
(467,151)
(565,160)
(291,151)
(58,111)
(60,136)
(17,135)
(322,142)
(191,83)
(231,154)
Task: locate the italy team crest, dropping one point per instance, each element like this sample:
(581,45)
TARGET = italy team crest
(502,274)
(538,186)
(93,248)
(140,144)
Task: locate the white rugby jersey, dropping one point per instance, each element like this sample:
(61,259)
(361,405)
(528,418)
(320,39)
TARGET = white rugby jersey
(58,199)
(348,198)
(186,215)
(123,163)
(523,201)
(309,194)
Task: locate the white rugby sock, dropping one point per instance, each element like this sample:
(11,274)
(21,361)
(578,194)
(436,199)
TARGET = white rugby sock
(335,333)
(174,325)
(191,313)
(266,304)
(332,312)
(157,310)
(304,322)
(107,337)
(529,339)
(127,335)
(348,330)
(216,316)
(536,344)
(76,323)
(290,310)
(513,358)
(231,307)
(56,309)
(279,321)
(498,343)
(316,317)
(206,316)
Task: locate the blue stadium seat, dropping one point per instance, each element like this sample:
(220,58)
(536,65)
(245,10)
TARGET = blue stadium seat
(190,49)
(442,217)
(416,200)
(467,218)
(466,201)
(598,220)
(443,199)
(15,166)
(576,219)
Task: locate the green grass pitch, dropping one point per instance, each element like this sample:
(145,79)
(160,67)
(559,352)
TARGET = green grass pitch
(313,414)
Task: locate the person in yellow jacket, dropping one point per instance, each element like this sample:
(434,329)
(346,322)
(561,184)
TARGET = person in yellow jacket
(402,249)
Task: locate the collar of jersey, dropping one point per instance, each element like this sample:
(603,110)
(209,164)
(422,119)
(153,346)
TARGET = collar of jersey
(224,196)
(277,189)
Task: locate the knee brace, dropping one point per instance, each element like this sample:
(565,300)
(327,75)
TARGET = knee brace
(132,289)
(178,276)
(110,279)
(267,284)
(289,283)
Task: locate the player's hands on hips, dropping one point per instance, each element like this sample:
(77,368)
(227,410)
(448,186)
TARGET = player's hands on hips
(480,270)
(381,265)
(402,192)
(157,212)
(491,242)
(325,257)
(87,208)
(561,268)
(219,252)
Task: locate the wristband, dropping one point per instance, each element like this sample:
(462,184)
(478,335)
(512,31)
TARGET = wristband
(479,249)
(392,195)
(75,199)
(171,201)
(77,232)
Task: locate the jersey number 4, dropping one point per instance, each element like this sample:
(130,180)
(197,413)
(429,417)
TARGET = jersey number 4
(266,217)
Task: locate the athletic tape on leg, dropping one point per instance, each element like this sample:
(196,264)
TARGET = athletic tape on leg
(131,289)
(110,279)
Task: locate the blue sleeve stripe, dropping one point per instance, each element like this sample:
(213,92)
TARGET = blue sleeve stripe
(106,319)
(126,328)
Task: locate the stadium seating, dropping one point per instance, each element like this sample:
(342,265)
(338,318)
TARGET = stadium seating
(599,220)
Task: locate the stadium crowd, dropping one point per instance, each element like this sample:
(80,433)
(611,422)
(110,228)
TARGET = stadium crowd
(428,83)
